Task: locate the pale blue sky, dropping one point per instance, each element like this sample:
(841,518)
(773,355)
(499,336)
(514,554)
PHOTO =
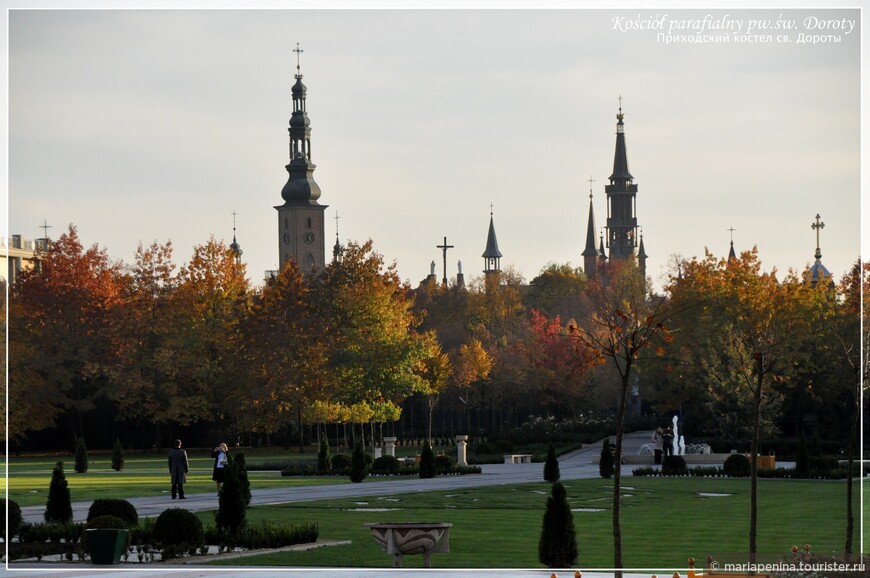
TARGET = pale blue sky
(158,124)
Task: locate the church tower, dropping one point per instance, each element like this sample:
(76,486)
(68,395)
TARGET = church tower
(622,237)
(491,255)
(300,218)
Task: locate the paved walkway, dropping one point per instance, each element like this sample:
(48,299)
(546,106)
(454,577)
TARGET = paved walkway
(575,465)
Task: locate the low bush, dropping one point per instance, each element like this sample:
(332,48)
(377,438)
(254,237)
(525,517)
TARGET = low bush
(50,532)
(674,466)
(114,507)
(301,470)
(503,446)
(15,519)
(444,464)
(645,471)
(385,465)
(143,532)
(737,466)
(265,534)
(340,462)
(706,472)
(177,530)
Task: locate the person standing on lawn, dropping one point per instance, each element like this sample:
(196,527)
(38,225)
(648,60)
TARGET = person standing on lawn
(221,457)
(178,468)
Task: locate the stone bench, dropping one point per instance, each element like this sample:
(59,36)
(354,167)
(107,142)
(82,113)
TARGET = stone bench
(518,458)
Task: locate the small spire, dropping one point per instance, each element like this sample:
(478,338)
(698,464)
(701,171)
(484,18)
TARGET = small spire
(731,253)
(234,246)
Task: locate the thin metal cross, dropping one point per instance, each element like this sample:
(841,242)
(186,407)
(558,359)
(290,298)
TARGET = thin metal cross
(336,223)
(620,103)
(45,227)
(816,226)
(234,223)
(590,180)
(444,248)
(298,51)
(731,230)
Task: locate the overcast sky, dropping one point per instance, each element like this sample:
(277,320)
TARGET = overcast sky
(151,125)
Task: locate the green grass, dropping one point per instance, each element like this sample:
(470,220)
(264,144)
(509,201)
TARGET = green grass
(663,520)
(29,477)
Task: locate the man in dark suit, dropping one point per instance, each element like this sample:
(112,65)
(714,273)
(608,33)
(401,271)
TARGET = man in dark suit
(178,468)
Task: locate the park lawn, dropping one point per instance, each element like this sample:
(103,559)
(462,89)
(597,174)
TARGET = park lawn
(29,477)
(664,521)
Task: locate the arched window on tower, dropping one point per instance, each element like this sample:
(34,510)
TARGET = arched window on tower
(309,263)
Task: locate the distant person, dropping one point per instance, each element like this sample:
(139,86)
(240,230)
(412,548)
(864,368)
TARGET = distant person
(221,455)
(668,441)
(178,468)
(658,440)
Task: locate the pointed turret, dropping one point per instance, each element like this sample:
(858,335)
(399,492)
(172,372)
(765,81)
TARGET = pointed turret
(641,257)
(590,253)
(731,253)
(491,256)
(235,248)
(620,157)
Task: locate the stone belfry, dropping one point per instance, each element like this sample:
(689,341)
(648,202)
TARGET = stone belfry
(301,217)
(622,232)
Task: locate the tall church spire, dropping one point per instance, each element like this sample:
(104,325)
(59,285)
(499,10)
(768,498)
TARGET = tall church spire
(491,256)
(300,218)
(622,237)
(590,253)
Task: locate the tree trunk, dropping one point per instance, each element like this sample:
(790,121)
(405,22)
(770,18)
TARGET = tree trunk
(617,474)
(850,518)
(301,431)
(753,469)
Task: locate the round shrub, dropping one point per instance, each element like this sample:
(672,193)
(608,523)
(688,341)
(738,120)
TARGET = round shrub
(358,467)
(176,527)
(114,507)
(674,466)
(15,519)
(605,462)
(340,462)
(386,465)
(427,463)
(444,464)
(737,466)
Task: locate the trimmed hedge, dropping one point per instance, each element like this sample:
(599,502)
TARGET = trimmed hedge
(674,466)
(387,465)
(737,466)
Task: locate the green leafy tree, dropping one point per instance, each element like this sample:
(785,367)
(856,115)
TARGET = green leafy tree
(58,508)
(557,547)
(551,466)
(117,456)
(81,465)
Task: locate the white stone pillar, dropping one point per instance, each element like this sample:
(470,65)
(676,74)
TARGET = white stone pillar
(391,446)
(461,442)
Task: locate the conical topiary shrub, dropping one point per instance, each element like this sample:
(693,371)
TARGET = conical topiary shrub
(427,462)
(117,456)
(605,464)
(231,501)
(551,466)
(81,456)
(244,482)
(557,547)
(58,508)
(358,469)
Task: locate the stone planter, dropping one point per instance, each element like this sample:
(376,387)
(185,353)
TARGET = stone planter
(107,545)
(400,538)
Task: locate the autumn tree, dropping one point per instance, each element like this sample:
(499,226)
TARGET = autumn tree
(148,324)
(375,351)
(286,354)
(756,323)
(62,350)
(624,323)
(557,291)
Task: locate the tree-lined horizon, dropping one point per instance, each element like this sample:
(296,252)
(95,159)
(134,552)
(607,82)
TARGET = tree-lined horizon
(143,351)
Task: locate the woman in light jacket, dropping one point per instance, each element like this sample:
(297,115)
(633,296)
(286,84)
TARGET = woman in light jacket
(221,457)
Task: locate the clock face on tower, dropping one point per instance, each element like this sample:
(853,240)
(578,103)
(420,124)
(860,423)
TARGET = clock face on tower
(309,238)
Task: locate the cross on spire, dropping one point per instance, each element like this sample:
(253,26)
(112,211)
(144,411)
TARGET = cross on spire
(620,103)
(444,248)
(336,224)
(45,227)
(590,180)
(234,224)
(298,51)
(731,230)
(817,226)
